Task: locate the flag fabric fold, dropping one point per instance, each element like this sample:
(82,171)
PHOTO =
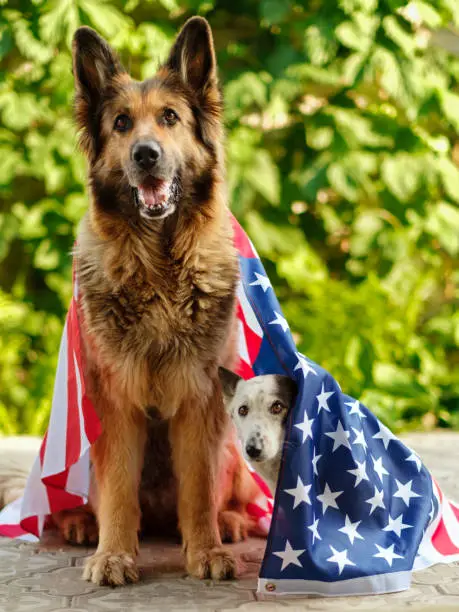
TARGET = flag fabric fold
(355,511)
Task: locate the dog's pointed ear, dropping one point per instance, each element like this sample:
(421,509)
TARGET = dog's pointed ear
(94,65)
(229,381)
(193,55)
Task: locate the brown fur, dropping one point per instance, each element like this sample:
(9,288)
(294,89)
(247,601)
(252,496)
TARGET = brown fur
(158,312)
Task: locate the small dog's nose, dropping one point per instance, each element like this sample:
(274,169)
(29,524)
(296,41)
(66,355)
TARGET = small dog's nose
(252,451)
(146,154)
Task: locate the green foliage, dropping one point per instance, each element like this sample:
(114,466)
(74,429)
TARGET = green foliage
(342,164)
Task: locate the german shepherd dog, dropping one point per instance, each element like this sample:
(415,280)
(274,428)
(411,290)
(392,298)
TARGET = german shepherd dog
(157,272)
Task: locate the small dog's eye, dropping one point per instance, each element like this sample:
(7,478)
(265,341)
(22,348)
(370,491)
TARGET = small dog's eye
(243,411)
(170,116)
(123,123)
(276,408)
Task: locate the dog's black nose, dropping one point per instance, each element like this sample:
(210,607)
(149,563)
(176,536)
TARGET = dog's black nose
(146,154)
(252,451)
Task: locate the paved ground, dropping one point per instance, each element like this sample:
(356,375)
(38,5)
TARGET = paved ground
(48,579)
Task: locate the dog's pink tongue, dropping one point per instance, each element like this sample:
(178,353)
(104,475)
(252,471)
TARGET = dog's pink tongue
(153,195)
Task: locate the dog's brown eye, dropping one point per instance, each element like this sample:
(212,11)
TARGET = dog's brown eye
(122,123)
(243,411)
(170,116)
(276,408)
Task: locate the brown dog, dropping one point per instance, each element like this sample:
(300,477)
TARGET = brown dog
(157,273)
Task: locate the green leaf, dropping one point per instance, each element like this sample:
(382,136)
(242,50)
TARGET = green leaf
(396,380)
(449,174)
(350,35)
(399,35)
(450,105)
(320,43)
(403,175)
(443,223)
(263,175)
(46,256)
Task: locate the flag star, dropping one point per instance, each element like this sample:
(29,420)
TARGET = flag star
(396,525)
(304,365)
(262,281)
(379,468)
(314,528)
(385,435)
(300,493)
(279,320)
(328,498)
(289,556)
(340,437)
(315,459)
(359,438)
(350,529)
(404,491)
(416,459)
(340,558)
(360,472)
(376,501)
(387,553)
(355,409)
(322,399)
(305,427)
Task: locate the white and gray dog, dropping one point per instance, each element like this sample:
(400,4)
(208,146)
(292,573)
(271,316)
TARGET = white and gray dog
(259,409)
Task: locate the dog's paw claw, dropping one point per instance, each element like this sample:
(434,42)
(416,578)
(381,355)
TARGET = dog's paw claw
(112,569)
(216,563)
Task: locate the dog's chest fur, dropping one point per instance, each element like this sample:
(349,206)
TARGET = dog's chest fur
(148,312)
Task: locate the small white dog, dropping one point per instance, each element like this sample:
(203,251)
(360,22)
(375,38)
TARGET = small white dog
(259,409)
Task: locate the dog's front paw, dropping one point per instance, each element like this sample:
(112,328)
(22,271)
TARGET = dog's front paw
(78,526)
(112,569)
(215,563)
(233,526)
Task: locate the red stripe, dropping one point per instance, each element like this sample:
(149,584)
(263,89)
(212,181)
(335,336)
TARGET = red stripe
(440,538)
(243,369)
(253,341)
(92,425)
(43,448)
(30,524)
(241,241)
(73,437)
(12,531)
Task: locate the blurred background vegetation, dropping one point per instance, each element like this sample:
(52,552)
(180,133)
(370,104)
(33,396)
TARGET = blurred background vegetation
(342,144)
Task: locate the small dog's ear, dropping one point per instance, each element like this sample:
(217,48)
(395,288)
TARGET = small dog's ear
(193,55)
(94,64)
(229,381)
(287,389)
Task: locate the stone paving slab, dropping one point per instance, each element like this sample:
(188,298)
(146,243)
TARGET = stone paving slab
(47,578)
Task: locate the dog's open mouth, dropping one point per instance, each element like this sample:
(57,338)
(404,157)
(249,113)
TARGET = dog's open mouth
(154,197)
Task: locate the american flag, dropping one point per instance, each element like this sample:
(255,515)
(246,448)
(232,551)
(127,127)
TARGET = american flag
(355,510)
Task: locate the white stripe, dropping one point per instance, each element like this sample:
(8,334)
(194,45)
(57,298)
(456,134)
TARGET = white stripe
(451,522)
(83,438)
(427,554)
(35,501)
(55,453)
(242,343)
(78,477)
(11,515)
(75,288)
(365,585)
(249,315)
